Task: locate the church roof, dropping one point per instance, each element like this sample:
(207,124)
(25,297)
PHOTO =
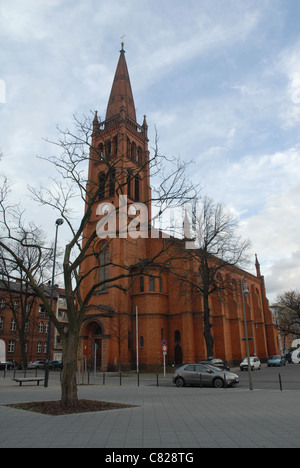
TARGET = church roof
(121,92)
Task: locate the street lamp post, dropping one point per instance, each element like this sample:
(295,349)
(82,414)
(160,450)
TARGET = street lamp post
(58,223)
(245,293)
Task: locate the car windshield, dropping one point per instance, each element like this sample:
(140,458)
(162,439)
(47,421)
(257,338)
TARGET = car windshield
(275,357)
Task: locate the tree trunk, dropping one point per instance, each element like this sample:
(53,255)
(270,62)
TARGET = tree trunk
(69,393)
(207,330)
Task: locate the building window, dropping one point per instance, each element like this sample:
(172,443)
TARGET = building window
(101,151)
(141,341)
(41,327)
(13,325)
(45,347)
(103,266)
(16,305)
(2,304)
(26,329)
(141,284)
(108,148)
(42,310)
(160,284)
(1,323)
(11,346)
(39,347)
(151,283)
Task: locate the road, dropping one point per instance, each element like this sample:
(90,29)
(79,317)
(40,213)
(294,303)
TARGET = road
(268,377)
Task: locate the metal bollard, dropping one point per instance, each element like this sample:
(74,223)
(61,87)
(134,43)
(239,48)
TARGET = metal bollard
(280,383)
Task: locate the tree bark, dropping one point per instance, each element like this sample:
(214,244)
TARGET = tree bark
(207,329)
(69,393)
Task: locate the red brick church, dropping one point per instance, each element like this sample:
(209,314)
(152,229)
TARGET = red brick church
(156,306)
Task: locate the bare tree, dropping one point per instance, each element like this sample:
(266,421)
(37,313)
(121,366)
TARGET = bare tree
(21,296)
(213,244)
(287,310)
(70,189)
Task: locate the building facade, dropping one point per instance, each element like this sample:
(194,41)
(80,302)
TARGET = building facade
(129,318)
(23,319)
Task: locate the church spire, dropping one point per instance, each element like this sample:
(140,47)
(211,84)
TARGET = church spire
(121,92)
(257,265)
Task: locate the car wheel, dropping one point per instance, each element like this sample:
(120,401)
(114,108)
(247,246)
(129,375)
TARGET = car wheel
(218,383)
(179,382)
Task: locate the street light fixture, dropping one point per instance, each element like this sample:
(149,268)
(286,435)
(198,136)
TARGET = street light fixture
(58,223)
(245,293)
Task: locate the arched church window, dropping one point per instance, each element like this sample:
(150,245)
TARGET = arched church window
(129,177)
(103,266)
(128,147)
(108,148)
(133,150)
(136,188)
(139,155)
(116,143)
(112,182)
(102,180)
(151,283)
(101,151)
(141,284)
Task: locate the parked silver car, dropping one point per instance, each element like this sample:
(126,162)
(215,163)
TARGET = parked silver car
(204,375)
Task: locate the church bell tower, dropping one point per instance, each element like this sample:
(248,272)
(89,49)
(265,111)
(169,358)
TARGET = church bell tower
(119,160)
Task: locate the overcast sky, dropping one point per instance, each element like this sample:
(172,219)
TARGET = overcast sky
(220,79)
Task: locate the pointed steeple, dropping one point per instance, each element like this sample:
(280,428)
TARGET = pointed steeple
(121,93)
(257,265)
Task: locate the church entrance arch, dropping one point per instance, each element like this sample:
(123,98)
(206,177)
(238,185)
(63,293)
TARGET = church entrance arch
(93,343)
(178,348)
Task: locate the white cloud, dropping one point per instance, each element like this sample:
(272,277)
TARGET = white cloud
(283,275)
(220,80)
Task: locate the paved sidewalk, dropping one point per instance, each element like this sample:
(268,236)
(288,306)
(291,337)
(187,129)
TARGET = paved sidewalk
(165,417)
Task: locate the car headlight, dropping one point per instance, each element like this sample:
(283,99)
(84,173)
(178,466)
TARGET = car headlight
(232,377)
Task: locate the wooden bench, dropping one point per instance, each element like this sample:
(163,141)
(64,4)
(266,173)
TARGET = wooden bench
(21,380)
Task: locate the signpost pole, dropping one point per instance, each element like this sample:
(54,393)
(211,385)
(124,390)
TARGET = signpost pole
(164,349)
